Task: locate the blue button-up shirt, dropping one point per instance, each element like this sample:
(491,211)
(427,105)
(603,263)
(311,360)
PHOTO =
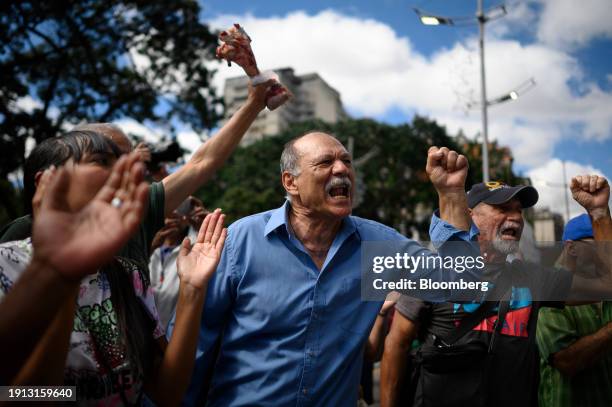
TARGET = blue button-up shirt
(289,334)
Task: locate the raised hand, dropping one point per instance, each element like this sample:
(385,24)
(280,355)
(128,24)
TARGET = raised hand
(78,243)
(446,169)
(196,263)
(197,214)
(172,227)
(144,151)
(592,192)
(236,47)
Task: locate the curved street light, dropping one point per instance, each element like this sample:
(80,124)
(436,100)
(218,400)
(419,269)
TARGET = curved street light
(512,95)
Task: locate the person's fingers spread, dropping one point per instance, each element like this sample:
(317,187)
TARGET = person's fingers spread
(136,177)
(42,186)
(218,229)
(204,228)
(130,215)
(185,247)
(107,192)
(213,221)
(131,159)
(135,206)
(113,182)
(55,198)
(221,241)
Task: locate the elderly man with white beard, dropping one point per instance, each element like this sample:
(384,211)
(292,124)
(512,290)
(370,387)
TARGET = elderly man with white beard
(284,311)
(467,356)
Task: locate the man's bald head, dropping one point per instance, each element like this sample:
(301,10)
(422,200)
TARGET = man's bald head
(110,131)
(294,149)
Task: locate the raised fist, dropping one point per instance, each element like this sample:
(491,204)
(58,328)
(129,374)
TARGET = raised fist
(592,192)
(446,169)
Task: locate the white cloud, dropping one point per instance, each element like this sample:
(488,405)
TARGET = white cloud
(376,70)
(571,23)
(190,140)
(548,179)
(26,104)
(149,134)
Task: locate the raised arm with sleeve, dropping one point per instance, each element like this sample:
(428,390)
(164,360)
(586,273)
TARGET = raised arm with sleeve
(209,157)
(447,171)
(592,192)
(195,265)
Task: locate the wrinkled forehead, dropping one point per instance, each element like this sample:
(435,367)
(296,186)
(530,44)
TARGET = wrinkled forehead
(316,145)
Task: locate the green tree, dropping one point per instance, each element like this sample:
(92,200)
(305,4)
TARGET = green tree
(70,61)
(500,160)
(397,190)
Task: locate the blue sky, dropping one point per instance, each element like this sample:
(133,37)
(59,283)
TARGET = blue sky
(388,66)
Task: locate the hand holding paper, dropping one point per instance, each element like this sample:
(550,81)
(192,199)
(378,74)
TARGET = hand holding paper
(236,47)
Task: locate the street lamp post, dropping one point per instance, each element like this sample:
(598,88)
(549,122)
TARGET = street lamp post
(483,99)
(482,19)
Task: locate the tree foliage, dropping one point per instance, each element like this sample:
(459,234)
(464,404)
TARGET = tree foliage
(397,190)
(68,61)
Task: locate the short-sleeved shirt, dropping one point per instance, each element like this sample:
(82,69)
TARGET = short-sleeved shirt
(97,362)
(557,330)
(513,375)
(137,248)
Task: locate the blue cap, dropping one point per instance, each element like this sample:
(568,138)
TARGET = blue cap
(578,228)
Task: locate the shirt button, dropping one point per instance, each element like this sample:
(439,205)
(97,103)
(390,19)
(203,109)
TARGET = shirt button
(305,391)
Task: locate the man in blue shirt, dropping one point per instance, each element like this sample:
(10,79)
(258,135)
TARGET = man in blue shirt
(284,308)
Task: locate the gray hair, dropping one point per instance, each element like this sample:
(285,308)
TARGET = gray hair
(289,158)
(105,129)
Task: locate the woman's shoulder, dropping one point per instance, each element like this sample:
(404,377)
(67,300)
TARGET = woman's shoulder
(14,259)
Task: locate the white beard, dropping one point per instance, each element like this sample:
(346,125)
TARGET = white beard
(505,246)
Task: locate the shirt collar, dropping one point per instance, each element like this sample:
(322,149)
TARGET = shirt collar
(279,218)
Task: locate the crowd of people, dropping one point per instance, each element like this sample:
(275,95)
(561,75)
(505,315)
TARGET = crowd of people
(136,294)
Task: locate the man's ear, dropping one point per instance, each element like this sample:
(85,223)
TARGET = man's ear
(289,183)
(37,178)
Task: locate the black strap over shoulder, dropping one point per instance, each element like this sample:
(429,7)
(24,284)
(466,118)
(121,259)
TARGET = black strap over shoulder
(500,290)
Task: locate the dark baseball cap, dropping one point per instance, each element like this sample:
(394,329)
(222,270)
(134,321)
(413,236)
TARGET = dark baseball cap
(497,193)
